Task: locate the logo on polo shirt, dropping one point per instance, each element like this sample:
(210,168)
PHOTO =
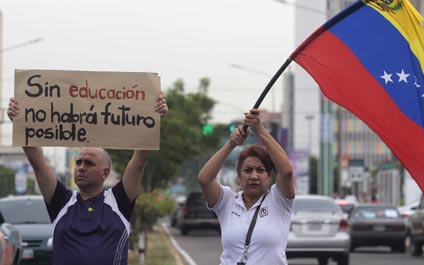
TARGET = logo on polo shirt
(263,211)
(236,213)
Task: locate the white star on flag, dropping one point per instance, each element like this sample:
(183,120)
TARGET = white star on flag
(402,76)
(387,77)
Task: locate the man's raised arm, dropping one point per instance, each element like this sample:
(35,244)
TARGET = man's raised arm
(44,174)
(134,171)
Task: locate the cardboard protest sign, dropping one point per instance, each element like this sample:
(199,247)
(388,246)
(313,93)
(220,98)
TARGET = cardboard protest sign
(80,108)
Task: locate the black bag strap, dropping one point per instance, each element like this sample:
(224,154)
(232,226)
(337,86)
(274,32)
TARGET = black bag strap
(250,231)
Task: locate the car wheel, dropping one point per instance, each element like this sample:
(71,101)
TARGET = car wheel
(415,248)
(343,259)
(323,260)
(401,247)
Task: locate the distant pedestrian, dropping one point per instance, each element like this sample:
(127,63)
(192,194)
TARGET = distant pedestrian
(374,199)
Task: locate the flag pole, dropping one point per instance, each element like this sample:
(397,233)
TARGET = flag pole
(269,85)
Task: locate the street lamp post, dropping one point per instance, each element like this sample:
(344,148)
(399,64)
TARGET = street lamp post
(20,45)
(3,50)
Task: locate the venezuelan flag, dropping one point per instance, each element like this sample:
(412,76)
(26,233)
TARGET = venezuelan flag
(369,59)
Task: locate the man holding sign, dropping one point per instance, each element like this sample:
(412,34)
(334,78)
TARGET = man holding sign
(90,226)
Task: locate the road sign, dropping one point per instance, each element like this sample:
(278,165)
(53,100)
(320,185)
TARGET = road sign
(356,170)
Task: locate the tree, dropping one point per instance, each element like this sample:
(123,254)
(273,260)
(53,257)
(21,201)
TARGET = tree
(204,85)
(181,136)
(7,181)
(313,175)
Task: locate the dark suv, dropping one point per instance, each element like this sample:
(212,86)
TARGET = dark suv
(29,215)
(195,215)
(416,230)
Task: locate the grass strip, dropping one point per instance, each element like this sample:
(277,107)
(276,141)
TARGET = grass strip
(159,250)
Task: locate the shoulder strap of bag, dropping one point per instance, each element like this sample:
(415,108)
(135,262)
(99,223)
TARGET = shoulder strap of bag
(250,231)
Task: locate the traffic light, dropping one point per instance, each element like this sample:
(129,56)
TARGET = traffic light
(207,129)
(231,128)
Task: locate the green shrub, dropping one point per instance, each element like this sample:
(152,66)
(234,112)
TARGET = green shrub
(149,208)
(7,181)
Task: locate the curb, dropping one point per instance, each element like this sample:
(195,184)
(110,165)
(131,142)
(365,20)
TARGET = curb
(181,256)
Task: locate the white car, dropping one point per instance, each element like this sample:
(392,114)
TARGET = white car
(408,209)
(318,230)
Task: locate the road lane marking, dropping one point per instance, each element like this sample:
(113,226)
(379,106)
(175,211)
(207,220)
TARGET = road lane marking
(182,252)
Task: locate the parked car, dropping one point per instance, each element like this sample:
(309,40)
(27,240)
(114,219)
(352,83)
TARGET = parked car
(195,215)
(415,224)
(318,230)
(377,225)
(10,243)
(29,215)
(346,206)
(408,209)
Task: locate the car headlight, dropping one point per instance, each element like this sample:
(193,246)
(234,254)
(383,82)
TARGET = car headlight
(50,242)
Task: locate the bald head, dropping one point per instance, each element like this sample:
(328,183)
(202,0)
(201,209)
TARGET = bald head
(100,153)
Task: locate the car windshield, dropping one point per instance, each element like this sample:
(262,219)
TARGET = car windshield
(313,205)
(375,213)
(25,212)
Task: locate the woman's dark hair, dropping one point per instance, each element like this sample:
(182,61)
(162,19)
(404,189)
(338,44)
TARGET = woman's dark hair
(255,151)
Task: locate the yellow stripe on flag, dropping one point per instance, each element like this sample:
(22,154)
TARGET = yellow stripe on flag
(403,16)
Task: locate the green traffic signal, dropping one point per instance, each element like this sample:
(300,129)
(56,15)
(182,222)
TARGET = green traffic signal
(207,129)
(232,128)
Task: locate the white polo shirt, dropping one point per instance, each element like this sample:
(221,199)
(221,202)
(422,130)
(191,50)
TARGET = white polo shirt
(269,237)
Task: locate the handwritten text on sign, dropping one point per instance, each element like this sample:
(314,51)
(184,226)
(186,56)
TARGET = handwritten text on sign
(76,108)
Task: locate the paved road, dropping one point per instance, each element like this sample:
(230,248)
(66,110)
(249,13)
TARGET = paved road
(201,247)
(204,248)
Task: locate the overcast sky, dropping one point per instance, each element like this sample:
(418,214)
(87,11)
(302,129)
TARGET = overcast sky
(187,39)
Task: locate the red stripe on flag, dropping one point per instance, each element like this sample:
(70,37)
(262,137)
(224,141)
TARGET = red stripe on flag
(343,79)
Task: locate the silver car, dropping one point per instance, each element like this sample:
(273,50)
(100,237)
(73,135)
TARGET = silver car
(318,230)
